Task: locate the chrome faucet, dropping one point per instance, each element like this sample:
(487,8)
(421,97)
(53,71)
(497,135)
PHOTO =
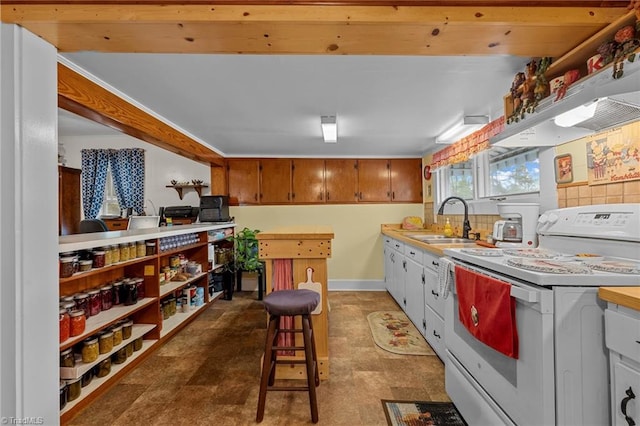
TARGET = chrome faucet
(466,226)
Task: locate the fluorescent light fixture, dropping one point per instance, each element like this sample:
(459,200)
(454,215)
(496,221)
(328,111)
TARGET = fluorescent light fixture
(576,115)
(466,126)
(329,128)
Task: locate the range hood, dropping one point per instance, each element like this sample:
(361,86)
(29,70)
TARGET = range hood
(618,103)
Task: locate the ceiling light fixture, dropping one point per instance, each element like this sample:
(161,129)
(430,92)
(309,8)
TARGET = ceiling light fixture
(466,126)
(329,128)
(576,115)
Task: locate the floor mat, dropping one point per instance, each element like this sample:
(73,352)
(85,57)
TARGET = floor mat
(394,332)
(416,413)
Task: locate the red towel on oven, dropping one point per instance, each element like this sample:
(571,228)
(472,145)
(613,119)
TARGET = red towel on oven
(487,310)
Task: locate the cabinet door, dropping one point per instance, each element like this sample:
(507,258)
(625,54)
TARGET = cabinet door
(373,181)
(406,180)
(399,271)
(308,181)
(69,204)
(432,296)
(244,180)
(625,393)
(388,266)
(414,293)
(275,181)
(341,181)
(434,332)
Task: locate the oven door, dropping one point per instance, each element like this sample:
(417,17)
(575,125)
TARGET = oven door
(491,388)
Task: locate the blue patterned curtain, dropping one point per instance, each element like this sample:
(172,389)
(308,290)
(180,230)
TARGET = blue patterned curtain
(95,163)
(127,170)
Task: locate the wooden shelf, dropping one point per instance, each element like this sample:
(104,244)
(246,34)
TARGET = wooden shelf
(96,271)
(138,330)
(106,318)
(179,319)
(180,188)
(172,286)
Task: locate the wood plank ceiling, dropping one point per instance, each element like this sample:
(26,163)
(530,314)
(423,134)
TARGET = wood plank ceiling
(331,27)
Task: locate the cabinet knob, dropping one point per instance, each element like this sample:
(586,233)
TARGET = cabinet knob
(327,195)
(436,334)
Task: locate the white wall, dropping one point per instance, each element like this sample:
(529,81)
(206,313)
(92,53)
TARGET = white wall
(161,166)
(28,228)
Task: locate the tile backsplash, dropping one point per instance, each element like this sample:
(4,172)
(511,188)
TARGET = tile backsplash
(482,223)
(581,194)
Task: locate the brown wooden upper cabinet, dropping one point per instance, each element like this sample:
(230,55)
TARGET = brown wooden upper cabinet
(373,181)
(320,181)
(275,181)
(308,180)
(341,181)
(406,180)
(244,180)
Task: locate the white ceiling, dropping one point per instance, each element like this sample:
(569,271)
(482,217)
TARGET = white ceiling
(270,105)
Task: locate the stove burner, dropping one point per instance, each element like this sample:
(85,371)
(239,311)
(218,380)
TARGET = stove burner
(491,252)
(615,266)
(534,253)
(549,266)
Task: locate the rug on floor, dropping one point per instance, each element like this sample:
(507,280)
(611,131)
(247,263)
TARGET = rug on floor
(416,413)
(394,332)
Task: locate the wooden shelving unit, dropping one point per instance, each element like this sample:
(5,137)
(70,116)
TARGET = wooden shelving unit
(180,188)
(146,314)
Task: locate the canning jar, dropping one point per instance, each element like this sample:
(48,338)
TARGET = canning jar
(67,358)
(127,328)
(86,378)
(99,259)
(117,292)
(90,350)
(141,249)
(115,253)
(82,303)
(106,297)
(65,325)
(103,368)
(85,265)
(124,252)
(78,322)
(129,349)
(74,387)
(95,302)
(120,356)
(108,258)
(130,291)
(67,266)
(117,334)
(132,250)
(150,248)
(105,342)
(139,287)
(137,344)
(63,394)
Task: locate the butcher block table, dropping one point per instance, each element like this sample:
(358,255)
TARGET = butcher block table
(307,247)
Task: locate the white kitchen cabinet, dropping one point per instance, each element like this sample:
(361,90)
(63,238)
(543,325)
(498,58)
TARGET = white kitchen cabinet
(394,268)
(414,287)
(433,305)
(622,336)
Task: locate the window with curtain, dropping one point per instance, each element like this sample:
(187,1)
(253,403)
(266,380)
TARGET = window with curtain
(126,170)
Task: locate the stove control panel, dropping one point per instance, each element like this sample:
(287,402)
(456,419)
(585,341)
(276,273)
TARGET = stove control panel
(609,221)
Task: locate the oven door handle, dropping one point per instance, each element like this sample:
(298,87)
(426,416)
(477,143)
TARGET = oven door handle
(522,294)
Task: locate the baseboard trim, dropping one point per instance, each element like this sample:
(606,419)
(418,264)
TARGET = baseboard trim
(356,285)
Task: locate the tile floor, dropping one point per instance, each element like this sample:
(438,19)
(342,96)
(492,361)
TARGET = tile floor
(209,373)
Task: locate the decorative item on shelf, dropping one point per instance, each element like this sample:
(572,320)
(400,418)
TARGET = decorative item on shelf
(529,88)
(197,181)
(568,79)
(627,45)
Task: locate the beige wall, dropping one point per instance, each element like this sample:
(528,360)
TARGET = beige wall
(357,245)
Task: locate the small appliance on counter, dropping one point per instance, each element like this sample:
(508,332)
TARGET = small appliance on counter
(214,208)
(518,228)
(180,214)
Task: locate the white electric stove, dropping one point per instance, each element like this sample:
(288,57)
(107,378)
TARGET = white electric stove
(561,375)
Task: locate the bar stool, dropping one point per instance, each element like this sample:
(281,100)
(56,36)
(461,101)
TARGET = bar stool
(290,303)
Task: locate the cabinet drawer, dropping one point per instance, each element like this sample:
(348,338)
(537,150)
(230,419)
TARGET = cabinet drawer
(625,395)
(622,333)
(116,224)
(431,262)
(397,246)
(432,296)
(435,332)
(413,253)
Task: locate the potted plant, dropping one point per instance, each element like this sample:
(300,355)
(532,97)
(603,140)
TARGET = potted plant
(245,246)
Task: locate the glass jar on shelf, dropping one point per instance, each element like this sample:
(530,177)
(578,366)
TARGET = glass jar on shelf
(106,297)
(67,358)
(95,302)
(127,328)
(115,253)
(65,325)
(78,322)
(117,334)
(82,303)
(74,387)
(105,342)
(141,249)
(90,350)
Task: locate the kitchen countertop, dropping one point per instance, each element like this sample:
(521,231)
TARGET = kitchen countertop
(628,297)
(395,231)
